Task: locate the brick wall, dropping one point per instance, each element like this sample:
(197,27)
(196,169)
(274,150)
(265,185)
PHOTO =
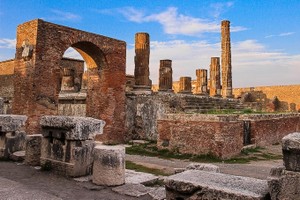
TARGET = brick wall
(6,78)
(221,135)
(37,79)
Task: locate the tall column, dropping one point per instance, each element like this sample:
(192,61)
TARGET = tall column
(201,83)
(165,76)
(185,85)
(215,85)
(141,60)
(226,60)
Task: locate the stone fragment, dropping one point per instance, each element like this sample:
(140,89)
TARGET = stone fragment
(17,156)
(11,123)
(195,184)
(109,165)
(33,149)
(203,167)
(158,193)
(291,151)
(284,184)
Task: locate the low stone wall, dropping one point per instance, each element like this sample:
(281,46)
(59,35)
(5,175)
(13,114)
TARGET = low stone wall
(221,135)
(201,134)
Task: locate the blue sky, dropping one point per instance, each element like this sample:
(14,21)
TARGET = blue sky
(265,35)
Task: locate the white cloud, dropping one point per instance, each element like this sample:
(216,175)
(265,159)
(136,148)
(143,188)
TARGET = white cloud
(72,53)
(174,22)
(64,16)
(7,43)
(219,8)
(252,63)
(280,35)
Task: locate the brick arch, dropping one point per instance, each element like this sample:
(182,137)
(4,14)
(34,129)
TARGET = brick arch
(37,79)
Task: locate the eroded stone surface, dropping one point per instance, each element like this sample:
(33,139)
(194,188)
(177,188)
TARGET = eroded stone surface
(195,184)
(75,128)
(10,123)
(135,190)
(33,149)
(291,151)
(109,165)
(284,184)
(138,177)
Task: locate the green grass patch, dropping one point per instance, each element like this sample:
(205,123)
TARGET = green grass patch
(248,151)
(141,168)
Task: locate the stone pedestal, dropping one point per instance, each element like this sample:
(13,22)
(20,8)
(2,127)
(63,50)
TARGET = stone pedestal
(33,149)
(215,84)
(185,85)
(12,134)
(109,165)
(67,82)
(284,180)
(68,142)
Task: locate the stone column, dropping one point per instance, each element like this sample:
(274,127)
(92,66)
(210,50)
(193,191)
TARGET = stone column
(165,76)
(185,85)
(226,60)
(67,82)
(201,83)
(215,86)
(141,60)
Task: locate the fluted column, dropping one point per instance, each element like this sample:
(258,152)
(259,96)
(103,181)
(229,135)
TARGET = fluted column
(201,83)
(141,60)
(165,76)
(226,60)
(215,85)
(185,85)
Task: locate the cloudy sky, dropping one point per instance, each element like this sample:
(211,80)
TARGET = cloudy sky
(265,35)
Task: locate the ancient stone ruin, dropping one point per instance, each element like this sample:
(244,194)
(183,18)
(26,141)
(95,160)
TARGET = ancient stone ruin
(165,76)
(201,84)
(215,82)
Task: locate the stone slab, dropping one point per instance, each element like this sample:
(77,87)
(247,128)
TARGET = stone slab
(203,167)
(134,190)
(76,128)
(210,185)
(158,193)
(134,177)
(11,123)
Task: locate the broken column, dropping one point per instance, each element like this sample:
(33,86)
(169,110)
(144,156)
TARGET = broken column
(84,82)
(109,165)
(185,85)
(33,149)
(68,142)
(12,134)
(165,76)
(284,180)
(226,60)
(201,83)
(141,60)
(67,82)
(215,84)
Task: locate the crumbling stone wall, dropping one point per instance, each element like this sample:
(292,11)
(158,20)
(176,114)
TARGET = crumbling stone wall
(39,50)
(288,95)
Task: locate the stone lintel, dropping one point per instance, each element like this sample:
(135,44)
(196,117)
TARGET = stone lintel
(75,128)
(11,123)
